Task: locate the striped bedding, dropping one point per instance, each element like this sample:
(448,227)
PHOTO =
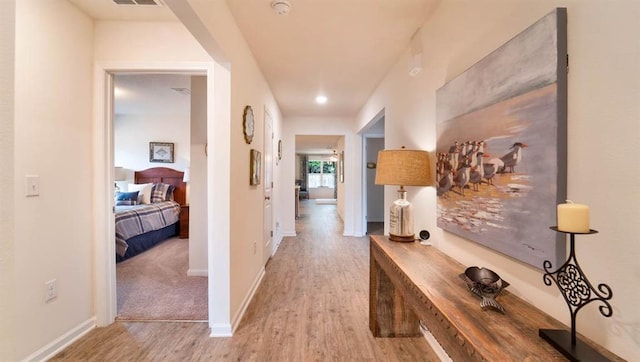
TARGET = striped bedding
(138,219)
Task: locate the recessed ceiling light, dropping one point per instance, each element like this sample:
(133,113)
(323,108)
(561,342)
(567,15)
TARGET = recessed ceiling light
(321,99)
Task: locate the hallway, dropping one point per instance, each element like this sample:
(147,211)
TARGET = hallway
(312,305)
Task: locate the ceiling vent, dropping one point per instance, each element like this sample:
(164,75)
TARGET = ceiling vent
(281,7)
(139,2)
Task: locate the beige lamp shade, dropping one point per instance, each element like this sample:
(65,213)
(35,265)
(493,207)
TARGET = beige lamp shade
(187,174)
(118,173)
(403,168)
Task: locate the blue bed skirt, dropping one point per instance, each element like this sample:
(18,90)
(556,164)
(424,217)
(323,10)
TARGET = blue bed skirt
(140,243)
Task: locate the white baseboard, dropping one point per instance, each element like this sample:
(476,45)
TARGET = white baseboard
(221,330)
(245,303)
(354,234)
(435,346)
(197,273)
(289,233)
(62,342)
(276,245)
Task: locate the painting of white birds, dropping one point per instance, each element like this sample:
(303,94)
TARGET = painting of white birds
(501,146)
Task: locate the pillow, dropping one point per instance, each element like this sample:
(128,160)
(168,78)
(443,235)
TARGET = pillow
(144,196)
(162,192)
(126,198)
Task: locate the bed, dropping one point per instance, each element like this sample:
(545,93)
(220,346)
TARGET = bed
(139,227)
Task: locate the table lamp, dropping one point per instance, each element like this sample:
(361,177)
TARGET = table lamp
(402,168)
(118,175)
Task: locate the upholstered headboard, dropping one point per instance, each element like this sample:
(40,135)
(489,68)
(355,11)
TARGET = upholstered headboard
(167,176)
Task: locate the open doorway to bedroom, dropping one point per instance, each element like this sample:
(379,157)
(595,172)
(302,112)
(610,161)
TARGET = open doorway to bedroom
(159,143)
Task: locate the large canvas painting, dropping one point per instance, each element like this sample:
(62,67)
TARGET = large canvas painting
(501,145)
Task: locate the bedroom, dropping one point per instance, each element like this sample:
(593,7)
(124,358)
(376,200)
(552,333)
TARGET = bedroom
(153,112)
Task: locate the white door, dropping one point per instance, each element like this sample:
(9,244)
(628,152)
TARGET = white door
(268,185)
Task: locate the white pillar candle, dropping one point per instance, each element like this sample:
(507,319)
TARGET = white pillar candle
(573,218)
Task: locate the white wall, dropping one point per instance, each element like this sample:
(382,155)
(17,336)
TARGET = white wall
(53,234)
(198,228)
(153,41)
(7,273)
(132,134)
(603,129)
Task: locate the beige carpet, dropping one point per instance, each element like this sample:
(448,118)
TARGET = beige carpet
(154,285)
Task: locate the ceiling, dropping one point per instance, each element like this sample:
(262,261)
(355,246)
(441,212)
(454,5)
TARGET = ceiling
(316,145)
(340,48)
(142,93)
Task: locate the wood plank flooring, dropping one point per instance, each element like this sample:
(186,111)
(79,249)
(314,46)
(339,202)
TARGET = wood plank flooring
(311,306)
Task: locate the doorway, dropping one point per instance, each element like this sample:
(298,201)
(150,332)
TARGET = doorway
(319,159)
(216,216)
(372,195)
(150,109)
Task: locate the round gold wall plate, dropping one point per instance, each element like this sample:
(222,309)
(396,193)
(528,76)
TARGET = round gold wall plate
(248,124)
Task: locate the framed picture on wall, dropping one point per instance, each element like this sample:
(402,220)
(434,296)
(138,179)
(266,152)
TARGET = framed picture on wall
(341,167)
(255,166)
(279,151)
(161,152)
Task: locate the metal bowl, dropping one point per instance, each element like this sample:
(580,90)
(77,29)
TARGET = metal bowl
(486,284)
(484,276)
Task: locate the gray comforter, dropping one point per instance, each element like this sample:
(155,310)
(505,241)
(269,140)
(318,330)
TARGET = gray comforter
(136,220)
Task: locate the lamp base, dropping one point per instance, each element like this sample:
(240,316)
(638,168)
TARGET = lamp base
(401,219)
(402,239)
(561,341)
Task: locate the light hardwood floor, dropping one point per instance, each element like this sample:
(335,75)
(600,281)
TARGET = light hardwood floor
(312,305)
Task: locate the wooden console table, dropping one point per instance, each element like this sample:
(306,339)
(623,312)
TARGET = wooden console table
(410,283)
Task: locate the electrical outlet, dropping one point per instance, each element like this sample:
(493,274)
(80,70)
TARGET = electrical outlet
(51,290)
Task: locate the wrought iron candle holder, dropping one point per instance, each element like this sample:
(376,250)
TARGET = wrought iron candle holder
(577,292)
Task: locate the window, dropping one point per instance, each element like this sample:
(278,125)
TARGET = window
(322,173)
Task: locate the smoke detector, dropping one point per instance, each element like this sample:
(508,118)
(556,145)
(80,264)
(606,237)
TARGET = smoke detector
(281,7)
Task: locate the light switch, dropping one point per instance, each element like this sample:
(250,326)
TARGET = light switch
(32,185)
